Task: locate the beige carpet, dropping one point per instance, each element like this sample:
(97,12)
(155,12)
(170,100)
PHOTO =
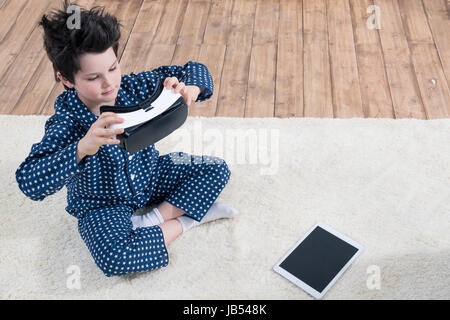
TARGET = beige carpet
(384,183)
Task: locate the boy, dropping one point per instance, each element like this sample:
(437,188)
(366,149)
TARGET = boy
(106,184)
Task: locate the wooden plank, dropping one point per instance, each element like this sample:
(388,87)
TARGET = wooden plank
(137,51)
(403,85)
(427,65)
(194,22)
(261,83)
(233,88)
(184,53)
(9,14)
(289,82)
(414,22)
(15,80)
(212,52)
(439,21)
(159,55)
(2,3)
(266,22)
(124,12)
(219,22)
(191,32)
(191,35)
(16,38)
(17,76)
(171,22)
(316,81)
(433,85)
(375,94)
(300,107)
(344,70)
(40,86)
(428,51)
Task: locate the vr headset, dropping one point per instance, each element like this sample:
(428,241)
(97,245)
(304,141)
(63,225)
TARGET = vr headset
(151,120)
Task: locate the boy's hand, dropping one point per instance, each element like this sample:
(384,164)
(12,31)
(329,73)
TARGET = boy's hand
(98,135)
(189,93)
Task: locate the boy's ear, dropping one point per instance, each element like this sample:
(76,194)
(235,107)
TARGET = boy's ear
(66,82)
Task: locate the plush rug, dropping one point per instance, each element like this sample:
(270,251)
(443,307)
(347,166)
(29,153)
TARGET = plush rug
(385,183)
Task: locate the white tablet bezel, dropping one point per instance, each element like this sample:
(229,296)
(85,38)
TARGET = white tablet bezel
(300,283)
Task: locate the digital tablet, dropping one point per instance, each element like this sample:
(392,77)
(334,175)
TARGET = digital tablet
(318,259)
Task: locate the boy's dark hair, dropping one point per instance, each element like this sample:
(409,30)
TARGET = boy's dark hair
(65,43)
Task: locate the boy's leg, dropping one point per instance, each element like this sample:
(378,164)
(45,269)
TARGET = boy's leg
(163,212)
(217,211)
(171,229)
(168,211)
(189,183)
(170,226)
(116,248)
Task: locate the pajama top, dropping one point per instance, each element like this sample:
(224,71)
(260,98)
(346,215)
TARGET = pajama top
(112,175)
(105,189)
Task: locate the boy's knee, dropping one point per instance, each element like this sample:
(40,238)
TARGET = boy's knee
(110,265)
(226,170)
(223,170)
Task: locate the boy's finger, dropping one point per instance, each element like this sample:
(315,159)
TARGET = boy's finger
(109,141)
(171,82)
(188,99)
(107,121)
(111,132)
(105,114)
(180,87)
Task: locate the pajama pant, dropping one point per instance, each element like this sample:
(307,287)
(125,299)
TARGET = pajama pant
(189,182)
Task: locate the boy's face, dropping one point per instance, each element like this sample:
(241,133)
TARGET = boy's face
(99,79)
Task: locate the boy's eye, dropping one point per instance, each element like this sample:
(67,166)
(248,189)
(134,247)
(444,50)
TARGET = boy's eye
(92,79)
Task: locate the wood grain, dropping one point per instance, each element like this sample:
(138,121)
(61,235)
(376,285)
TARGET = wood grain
(375,94)
(233,88)
(261,83)
(267,58)
(289,80)
(344,70)
(439,20)
(316,62)
(20,64)
(427,65)
(402,80)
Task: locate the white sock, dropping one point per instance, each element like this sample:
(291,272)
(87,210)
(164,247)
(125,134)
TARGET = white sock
(217,211)
(151,218)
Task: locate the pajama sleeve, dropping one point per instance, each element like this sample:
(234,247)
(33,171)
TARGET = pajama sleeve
(51,162)
(192,73)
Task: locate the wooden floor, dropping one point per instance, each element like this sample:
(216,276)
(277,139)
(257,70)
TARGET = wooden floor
(268,58)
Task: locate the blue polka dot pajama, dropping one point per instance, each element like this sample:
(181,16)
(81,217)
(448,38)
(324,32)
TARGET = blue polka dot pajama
(105,189)
(108,234)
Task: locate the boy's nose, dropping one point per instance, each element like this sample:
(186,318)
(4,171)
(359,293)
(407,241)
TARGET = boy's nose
(107,86)
(107,83)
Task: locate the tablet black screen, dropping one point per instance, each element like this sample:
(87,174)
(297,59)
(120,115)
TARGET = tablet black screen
(318,258)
